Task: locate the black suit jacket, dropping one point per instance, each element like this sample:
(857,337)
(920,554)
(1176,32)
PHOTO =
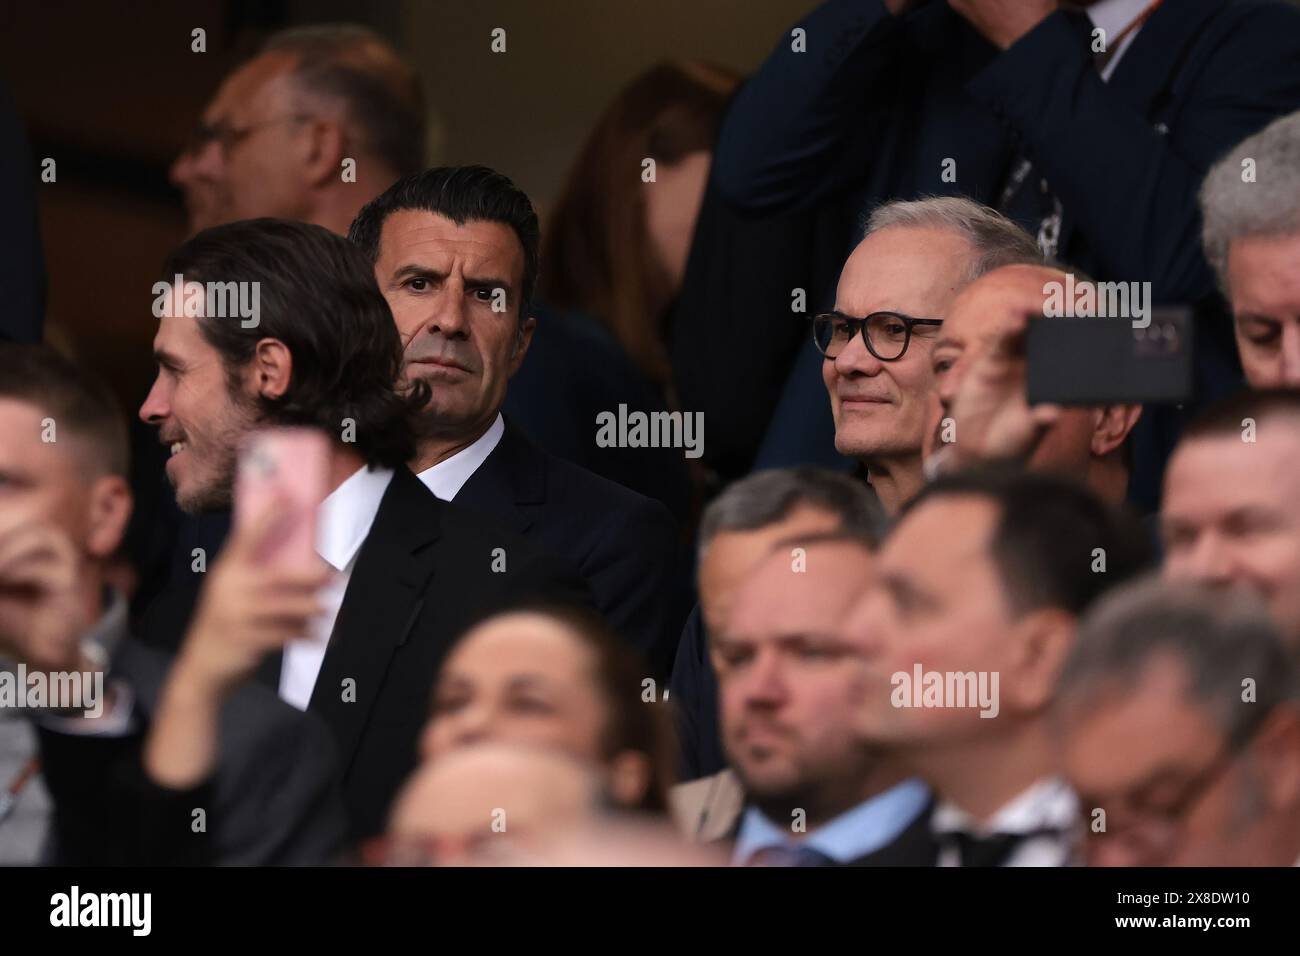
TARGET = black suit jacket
(423,576)
(272,800)
(624,545)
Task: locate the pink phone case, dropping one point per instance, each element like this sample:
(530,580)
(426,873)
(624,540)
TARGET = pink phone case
(284,468)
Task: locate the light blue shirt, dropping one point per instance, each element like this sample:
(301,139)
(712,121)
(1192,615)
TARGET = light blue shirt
(870,825)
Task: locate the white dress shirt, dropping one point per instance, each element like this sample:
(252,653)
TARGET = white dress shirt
(342,524)
(1114,16)
(1048,810)
(446,478)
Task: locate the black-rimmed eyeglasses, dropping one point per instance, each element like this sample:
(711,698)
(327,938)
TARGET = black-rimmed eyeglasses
(886,334)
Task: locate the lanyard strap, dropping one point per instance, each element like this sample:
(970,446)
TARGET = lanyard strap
(9,796)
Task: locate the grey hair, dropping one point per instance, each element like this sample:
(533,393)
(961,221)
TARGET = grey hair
(766,497)
(380,91)
(1220,638)
(997,240)
(1269,206)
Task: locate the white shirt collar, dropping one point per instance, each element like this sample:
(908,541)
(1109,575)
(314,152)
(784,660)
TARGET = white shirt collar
(1113,16)
(1049,803)
(345,517)
(446,478)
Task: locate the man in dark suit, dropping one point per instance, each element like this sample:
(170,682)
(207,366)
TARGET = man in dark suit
(811,792)
(455,252)
(1092,130)
(408,572)
(269,795)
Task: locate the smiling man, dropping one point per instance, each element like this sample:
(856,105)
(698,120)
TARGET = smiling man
(455,251)
(893,294)
(1229,514)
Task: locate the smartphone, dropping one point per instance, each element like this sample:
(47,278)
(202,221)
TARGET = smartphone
(285,469)
(1106,361)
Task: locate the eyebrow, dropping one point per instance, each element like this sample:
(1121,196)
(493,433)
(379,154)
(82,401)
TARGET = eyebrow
(166,359)
(413,271)
(948,341)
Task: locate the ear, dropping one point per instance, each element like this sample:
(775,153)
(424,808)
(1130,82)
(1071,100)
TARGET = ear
(1111,425)
(326,148)
(523,338)
(629,778)
(1042,640)
(110,509)
(1277,750)
(272,368)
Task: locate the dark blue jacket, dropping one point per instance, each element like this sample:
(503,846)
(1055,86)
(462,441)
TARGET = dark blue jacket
(877,104)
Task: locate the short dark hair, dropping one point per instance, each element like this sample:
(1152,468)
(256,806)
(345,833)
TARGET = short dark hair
(317,294)
(462,194)
(766,497)
(1219,637)
(77,399)
(380,91)
(1224,417)
(1047,530)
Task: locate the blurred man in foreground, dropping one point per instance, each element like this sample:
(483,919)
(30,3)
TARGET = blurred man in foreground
(815,793)
(1230,512)
(965,627)
(1180,721)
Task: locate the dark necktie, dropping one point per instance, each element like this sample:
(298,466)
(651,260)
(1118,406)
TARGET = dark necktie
(992,850)
(1026,196)
(789,856)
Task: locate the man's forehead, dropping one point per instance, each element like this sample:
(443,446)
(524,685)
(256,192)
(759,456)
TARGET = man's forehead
(943,533)
(417,232)
(908,269)
(1233,469)
(807,587)
(253,86)
(993,303)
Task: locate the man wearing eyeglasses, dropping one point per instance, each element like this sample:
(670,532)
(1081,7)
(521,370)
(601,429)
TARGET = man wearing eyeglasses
(892,296)
(1180,722)
(277,138)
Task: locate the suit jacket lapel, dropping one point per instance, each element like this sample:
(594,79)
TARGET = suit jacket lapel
(383,599)
(1148,71)
(510,484)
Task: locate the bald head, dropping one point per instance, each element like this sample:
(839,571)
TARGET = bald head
(984,331)
(495,801)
